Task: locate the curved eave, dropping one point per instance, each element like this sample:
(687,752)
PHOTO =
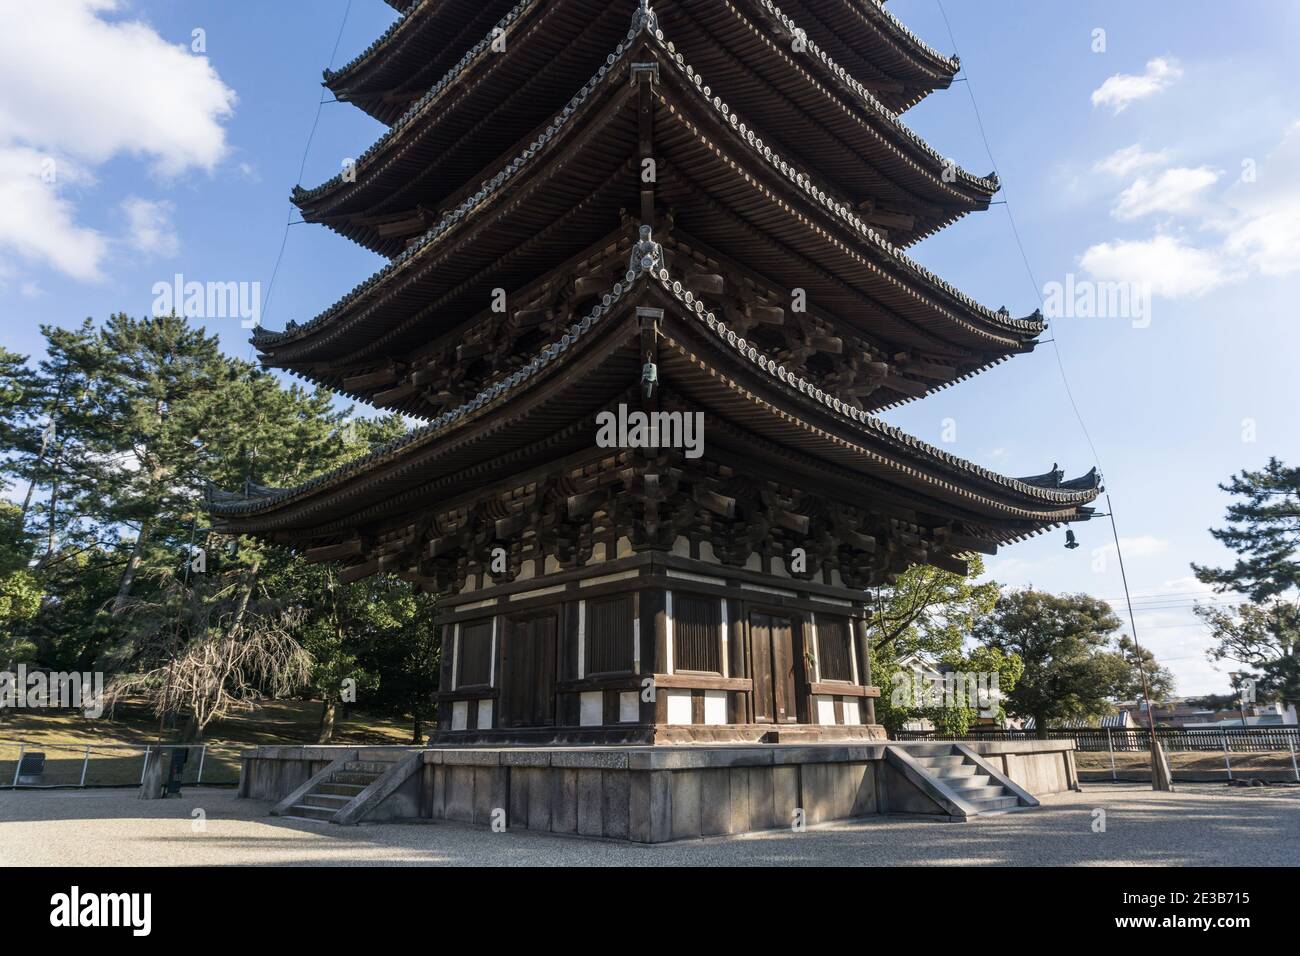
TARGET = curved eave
(902,67)
(427,39)
(898,52)
(890,394)
(796,412)
(899,156)
(784,180)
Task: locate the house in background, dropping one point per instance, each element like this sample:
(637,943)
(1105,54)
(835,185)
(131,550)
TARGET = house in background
(927,672)
(1121,721)
(1175,713)
(1275,714)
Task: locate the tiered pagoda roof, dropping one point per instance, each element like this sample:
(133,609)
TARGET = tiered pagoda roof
(421,46)
(815,112)
(768,246)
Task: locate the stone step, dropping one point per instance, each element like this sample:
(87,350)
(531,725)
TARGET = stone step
(381,755)
(377,767)
(355,778)
(961,771)
(947,760)
(308,812)
(987,804)
(980,792)
(327,801)
(348,790)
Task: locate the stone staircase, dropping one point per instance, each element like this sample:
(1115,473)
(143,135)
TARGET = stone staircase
(969,781)
(331,792)
(952,780)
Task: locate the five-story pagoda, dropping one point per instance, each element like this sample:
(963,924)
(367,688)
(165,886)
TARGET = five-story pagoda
(647,291)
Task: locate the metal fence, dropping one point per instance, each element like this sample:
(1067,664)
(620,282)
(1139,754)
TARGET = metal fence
(112,765)
(1282,738)
(1279,745)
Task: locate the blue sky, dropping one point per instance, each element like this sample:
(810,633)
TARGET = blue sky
(1168,159)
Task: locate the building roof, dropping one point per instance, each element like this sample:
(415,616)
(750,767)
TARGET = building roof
(808,106)
(747,393)
(879,52)
(807,235)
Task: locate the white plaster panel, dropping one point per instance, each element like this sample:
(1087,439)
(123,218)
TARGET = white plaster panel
(679,706)
(715,706)
(592,709)
(629,707)
(459,714)
(852,710)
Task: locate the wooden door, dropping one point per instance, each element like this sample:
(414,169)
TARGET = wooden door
(772,646)
(528,658)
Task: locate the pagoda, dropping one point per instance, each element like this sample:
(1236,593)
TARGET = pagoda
(647,292)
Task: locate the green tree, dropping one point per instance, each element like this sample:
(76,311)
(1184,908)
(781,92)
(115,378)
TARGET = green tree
(114,440)
(1264,529)
(928,610)
(20,592)
(956,706)
(1263,637)
(1074,665)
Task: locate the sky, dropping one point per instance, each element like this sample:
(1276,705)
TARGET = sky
(1152,146)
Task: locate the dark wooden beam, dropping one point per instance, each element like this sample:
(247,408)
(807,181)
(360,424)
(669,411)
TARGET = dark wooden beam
(335,552)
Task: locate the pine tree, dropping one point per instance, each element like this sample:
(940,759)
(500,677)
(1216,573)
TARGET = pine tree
(1264,529)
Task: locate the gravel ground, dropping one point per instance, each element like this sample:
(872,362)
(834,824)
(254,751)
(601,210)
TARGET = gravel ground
(1199,825)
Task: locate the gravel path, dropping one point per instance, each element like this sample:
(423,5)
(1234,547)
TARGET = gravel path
(1199,825)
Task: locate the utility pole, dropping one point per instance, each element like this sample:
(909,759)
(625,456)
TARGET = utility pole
(1160,776)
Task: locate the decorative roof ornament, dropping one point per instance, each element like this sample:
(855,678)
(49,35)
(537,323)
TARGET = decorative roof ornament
(645,18)
(1089,482)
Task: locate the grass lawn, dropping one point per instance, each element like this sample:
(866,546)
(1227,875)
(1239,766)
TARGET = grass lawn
(117,744)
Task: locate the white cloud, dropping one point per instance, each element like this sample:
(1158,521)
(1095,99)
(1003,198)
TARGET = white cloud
(1263,225)
(1173,269)
(82,90)
(38,223)
(1251,228)
(1124,88)
(149,226)
(1173,191)
(1144,545)
(1130,159)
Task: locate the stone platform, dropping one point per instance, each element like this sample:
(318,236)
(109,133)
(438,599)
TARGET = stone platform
(659,794)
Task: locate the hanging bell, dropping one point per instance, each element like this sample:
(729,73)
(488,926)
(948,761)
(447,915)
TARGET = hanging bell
(1071,541)
(649,378)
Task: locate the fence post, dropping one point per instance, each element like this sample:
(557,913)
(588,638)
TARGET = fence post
(22,750)
(145,768)
(85,761)
(203,752)
(1226,759)
(1294,770)
(1110,747)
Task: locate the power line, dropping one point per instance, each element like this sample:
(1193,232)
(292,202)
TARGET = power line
(302,167)
(1056,348)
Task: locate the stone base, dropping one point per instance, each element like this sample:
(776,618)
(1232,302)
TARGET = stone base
(657,794)
(660,735)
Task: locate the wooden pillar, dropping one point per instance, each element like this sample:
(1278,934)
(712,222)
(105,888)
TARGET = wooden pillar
(861,641)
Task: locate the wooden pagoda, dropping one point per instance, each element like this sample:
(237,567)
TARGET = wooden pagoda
(691,211)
